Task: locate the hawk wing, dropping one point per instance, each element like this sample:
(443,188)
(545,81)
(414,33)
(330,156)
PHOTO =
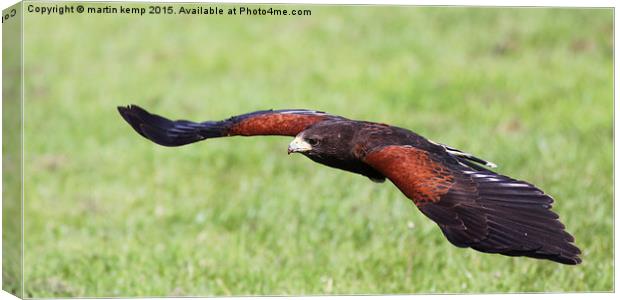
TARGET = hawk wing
(475,207)
(180,132)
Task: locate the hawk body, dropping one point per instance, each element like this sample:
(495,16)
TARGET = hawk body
(473,206)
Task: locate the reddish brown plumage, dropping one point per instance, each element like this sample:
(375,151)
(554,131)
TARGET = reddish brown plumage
(412,171)
(473,206)
(274,124)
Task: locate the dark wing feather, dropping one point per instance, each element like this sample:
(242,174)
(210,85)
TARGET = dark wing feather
(180,132)
(475,207)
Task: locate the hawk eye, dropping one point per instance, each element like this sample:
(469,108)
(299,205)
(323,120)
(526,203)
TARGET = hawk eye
(312,141)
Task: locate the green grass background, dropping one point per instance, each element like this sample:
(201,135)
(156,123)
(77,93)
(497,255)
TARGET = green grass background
(110,214)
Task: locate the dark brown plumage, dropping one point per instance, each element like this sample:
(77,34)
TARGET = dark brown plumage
(473,206)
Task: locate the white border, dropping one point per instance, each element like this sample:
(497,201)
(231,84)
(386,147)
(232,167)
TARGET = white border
(505,3)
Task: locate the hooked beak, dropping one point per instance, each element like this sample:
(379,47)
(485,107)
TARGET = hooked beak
(298,145)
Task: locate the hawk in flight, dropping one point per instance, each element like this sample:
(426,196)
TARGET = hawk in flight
(473,206)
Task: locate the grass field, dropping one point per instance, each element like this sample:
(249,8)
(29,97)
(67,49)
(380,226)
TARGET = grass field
(109,213)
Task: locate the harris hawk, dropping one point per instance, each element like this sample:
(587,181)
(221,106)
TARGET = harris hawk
(473,206)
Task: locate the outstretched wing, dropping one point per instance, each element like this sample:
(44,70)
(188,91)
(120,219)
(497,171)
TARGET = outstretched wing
(475,207)
(180,132)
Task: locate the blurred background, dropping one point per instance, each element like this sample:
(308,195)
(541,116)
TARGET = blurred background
(108,213)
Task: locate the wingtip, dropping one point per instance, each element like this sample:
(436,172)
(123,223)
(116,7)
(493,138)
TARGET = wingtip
(125,112)
(132,110)
(128,113)
(572,260)
(124,109)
